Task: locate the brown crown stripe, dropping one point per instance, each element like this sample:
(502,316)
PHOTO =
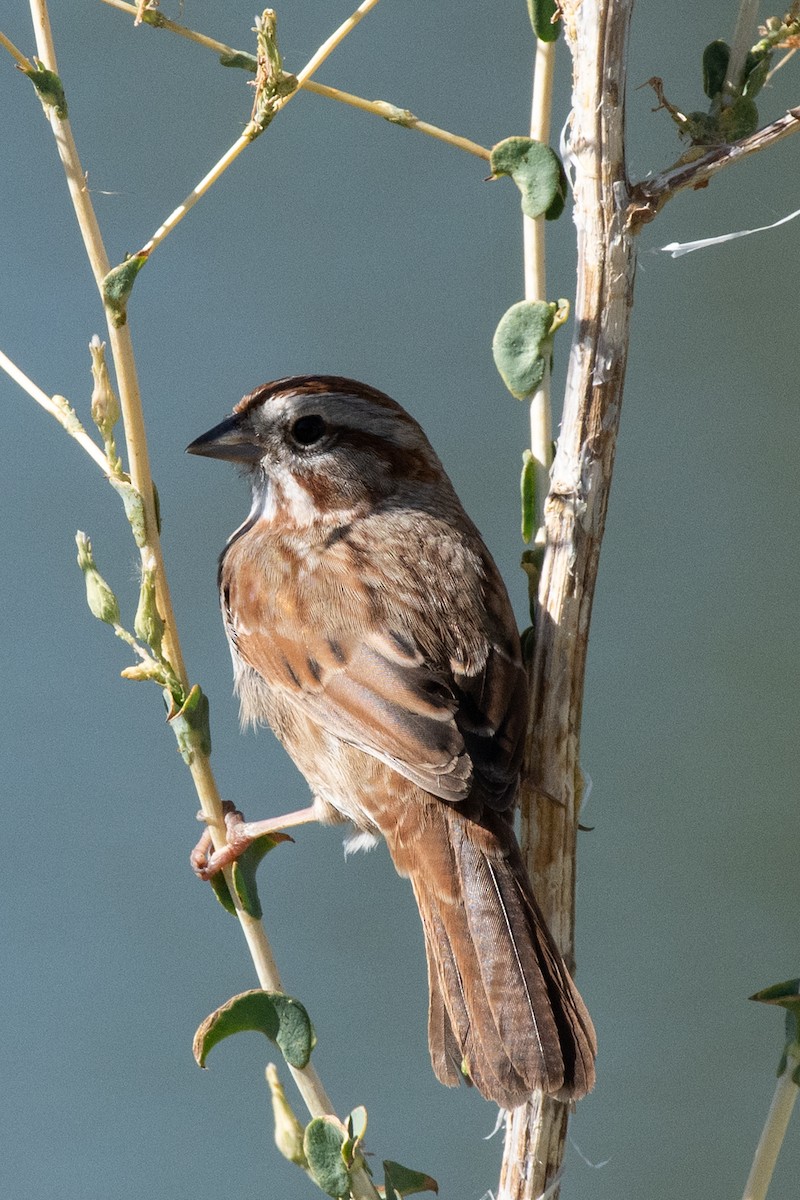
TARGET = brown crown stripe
(318,385)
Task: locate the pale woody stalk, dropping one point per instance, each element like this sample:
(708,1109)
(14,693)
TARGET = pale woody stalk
(536,281)
(541,1123)
(775,1126)
(307,1080)
(379,108)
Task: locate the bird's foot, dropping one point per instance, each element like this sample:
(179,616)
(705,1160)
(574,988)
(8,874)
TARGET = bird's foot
(207,862)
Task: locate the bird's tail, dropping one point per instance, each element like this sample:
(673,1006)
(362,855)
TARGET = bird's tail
(504,1011)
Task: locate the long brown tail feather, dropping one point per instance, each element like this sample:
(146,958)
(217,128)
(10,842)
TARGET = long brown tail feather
(502,1003)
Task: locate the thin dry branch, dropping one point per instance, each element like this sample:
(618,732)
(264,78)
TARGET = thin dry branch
(306,1079)
(575,518)
(379,108)
(649,197)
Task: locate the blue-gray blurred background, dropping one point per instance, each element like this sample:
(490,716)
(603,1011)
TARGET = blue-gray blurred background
(342,244)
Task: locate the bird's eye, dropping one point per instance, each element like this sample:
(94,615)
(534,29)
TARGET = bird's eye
(306,431)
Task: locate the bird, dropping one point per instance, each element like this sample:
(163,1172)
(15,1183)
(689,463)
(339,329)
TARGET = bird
(370,628)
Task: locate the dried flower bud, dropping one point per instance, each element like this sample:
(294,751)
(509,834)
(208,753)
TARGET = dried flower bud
(105,405)
(102,602)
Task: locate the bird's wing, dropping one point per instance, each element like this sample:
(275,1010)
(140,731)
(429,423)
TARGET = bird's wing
(446,725)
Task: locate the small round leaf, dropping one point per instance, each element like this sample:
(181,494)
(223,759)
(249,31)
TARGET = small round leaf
(715,65)
(541,13)
(322,1146)
(537,172)
(520,344)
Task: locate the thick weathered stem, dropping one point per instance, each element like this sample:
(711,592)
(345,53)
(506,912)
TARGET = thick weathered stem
(575,518)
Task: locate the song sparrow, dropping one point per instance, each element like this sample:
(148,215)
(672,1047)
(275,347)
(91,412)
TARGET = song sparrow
(370,628)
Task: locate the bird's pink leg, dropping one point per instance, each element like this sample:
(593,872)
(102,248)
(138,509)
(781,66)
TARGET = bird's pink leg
(240,834)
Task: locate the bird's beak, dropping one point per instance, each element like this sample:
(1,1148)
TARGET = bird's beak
(231,440)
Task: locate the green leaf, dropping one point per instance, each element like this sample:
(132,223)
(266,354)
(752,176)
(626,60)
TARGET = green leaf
(541,13)
(715,65)
(786,995)
(521,345)
(117,287)
(702,129)
(134,509)
(244,876)
(219,886)
(238,58)
(402,1181)
(537,172)
(191,727)
(245,867)
(279,1017)
(322,1145)
(532,562)
(527,489)
(49,88)
(740,120)
(756,70)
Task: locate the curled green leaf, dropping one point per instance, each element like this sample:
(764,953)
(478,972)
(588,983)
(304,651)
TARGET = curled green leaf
(190,724)
(280,1018)
(538,173)
(49,88)
(245,867)
(532,562)
(117,287)
(786,995)
(403,1181)
(527,488)
(134,509)
(522,345)
(322,1145)
(756,70)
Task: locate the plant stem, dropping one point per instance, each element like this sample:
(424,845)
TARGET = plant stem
(246,138)
(307,1079)
(536,280)
(773,1133)
(380,108)
(16,54)
(333,41)
(649,197)
(51,405)
(742,41)
(575,513)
